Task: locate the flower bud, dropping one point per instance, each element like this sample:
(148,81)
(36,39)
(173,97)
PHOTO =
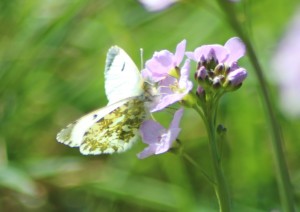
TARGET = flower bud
(212,60)
(219,69)
(200,93)
(200,90)
(227,70)
(202,62)
(217,81)
(201,73)
(236,77)
(221,129)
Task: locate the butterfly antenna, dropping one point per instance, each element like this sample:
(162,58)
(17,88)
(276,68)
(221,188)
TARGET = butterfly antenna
(142,58)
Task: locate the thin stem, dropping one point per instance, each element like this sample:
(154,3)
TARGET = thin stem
(220,186)
(200,110)
(194,163)
(283,178)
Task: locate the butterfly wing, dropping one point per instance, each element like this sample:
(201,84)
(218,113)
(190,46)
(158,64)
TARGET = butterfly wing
(122,77)
(116,131)
(113,128)
(107,130)
(73,134)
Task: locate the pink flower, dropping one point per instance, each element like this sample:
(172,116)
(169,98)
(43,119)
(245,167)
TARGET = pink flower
(217,64)
(172,90)
(158,138)
(286,64)
(162,62)
(228,54)
(157,5)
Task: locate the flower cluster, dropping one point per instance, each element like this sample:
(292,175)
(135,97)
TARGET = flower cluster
(286,66)
(217,68)
(171,82)
(217,72)
(159,5)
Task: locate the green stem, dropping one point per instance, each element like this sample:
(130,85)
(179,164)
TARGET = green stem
(220,185)
(221,188)
(283,178)
(194,163)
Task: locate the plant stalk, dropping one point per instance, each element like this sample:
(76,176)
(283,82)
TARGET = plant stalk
(220,185)
(284,184)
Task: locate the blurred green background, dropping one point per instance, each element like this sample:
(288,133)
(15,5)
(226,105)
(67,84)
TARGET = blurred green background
(52,56)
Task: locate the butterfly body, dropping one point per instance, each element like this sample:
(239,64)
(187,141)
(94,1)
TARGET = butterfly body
(115,127)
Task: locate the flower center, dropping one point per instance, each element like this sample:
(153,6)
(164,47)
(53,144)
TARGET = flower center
(175,88)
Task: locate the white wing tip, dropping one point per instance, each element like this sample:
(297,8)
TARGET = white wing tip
(64,136)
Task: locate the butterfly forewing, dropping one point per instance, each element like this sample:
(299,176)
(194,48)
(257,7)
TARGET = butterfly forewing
(122,77)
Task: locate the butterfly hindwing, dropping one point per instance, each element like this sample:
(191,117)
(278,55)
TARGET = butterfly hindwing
(116,131)
(73,134)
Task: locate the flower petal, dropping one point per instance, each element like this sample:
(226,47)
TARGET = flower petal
(167,140)
(157,5)
(172,133)
(177,118)
(184,82)
(159,139)
(166,101)
(179,54)
(207,51)
(150,131)
(191,56)
(148,151)
(146,74)
(165,58)
(159,65)
(185,71)
(236,49)
(286,65)
(161,62)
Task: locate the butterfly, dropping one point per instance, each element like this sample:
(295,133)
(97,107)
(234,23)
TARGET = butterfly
(115,127)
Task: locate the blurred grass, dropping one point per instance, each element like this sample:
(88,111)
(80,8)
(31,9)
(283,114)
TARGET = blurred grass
(52,56)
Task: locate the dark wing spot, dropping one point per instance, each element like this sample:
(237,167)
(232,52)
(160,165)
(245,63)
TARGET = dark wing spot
(123,67)
(95,116)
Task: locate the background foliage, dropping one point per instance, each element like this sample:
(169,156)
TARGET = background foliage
(52,55)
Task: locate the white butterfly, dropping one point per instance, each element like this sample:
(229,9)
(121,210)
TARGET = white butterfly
(113,128)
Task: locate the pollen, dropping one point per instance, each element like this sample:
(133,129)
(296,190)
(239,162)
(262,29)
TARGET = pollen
(175,88)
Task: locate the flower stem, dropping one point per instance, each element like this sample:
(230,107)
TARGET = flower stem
(221,188)
(220,184)
(194,163)
(283,178)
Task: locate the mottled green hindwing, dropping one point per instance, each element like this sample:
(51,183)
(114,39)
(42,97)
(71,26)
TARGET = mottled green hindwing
(116,131)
